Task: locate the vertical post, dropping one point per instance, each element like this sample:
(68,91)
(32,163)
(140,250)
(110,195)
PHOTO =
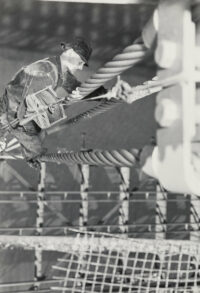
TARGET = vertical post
(194,218)
(124,198)
(39,222)
(84,187)
(161,213)
(194,200)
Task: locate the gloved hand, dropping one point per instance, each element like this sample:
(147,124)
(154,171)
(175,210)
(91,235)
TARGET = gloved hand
(120,90)
(34,163)
(76,94)
(123,91)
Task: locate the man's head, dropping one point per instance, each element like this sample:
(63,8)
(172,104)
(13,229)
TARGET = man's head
(75,54)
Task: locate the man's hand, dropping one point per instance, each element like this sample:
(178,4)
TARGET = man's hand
(76,94)
(123,91)
(120,91)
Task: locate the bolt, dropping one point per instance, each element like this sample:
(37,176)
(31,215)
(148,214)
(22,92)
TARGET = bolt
(166,112)
(166,53)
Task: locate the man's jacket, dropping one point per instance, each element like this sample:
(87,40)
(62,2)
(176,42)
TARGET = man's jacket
(28,80)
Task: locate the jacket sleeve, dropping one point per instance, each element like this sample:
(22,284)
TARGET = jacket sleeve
(32,78)
(32,144)
(40,75)
(29,80)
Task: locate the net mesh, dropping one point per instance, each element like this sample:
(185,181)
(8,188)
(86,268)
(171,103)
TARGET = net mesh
(106,263)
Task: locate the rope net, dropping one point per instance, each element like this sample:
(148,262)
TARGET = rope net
(104,263)
(99,262)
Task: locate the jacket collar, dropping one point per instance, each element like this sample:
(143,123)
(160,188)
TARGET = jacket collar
(56,60)
(58,63)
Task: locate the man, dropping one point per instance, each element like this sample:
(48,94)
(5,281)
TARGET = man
(32,99)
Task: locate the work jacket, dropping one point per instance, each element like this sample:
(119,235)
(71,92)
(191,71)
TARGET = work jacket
(28,80)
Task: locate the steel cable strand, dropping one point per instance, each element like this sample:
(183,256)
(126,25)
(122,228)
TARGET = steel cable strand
(85,157)
(113,160)
(134,154)
(124,156)
(74,157)
(102,158)
(95,157)
(80,157)
(70,157)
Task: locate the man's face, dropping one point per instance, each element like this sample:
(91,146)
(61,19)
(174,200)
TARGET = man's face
(72,60)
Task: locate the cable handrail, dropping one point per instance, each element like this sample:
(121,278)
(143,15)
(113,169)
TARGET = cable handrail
(135,225)
(113,2)
(94,201)
(148,197)
(27,283)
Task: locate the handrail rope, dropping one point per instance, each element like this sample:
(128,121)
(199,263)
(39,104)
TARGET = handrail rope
(101,108)
(121,62)
(132,225)
(115,2)
(26,283)
(22,201)
(95,157)
(129,96)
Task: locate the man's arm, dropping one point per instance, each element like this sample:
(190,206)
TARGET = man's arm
(32,144)
(29,80)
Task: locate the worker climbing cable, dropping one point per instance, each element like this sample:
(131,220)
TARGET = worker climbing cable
(35,98)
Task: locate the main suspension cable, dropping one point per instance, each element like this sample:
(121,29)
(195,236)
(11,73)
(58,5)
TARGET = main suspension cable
(130,56)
